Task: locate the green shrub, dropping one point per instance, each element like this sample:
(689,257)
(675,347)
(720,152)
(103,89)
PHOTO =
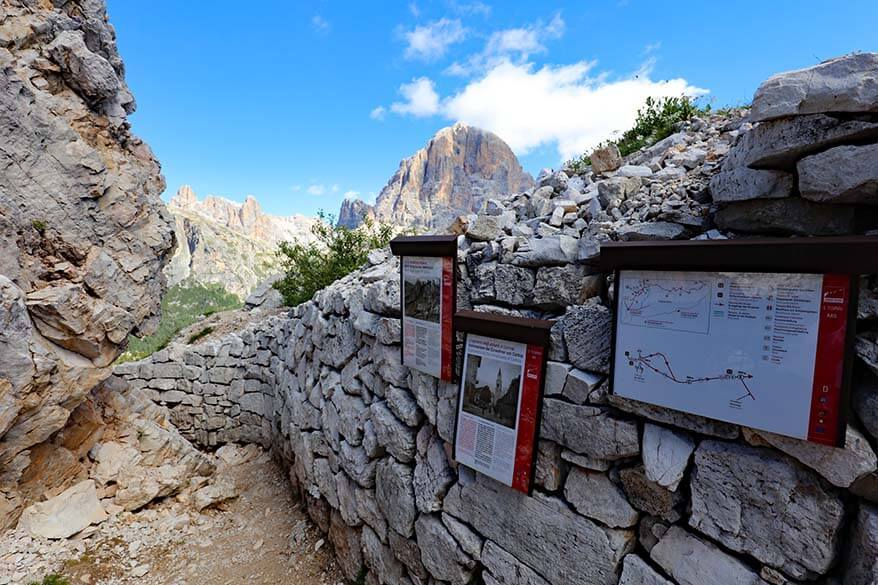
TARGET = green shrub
(203,333)
(40,225)
(182,306)
(337,252)
(655,121)
(52,579)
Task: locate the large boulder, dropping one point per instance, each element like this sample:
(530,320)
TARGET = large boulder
(66,514)
(844,84)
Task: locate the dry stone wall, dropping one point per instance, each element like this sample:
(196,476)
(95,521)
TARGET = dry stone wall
(625,492)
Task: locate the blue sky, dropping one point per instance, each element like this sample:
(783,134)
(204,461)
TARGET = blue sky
(301,103)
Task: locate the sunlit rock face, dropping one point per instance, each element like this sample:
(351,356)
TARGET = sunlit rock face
(83,233)
(458,169)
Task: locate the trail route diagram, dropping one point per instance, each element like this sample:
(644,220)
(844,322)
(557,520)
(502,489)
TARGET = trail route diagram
(738,347)
(681,304)
(658,363)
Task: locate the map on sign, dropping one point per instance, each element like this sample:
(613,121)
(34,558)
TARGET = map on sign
(681,304)
(738,347)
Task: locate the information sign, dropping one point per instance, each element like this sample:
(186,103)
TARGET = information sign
(427,291)
(756,332)
(758,349)
(500,395)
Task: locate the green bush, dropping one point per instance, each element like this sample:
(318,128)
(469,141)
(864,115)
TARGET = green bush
(338,251)
(52,579)
(182,306)
(655,121)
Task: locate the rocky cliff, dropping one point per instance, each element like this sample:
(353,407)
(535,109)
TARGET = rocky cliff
(228,243)
(83,233)
(460,167)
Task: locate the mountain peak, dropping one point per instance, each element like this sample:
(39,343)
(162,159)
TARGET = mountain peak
(458,169)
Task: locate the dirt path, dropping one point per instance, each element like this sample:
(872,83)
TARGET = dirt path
(261,537)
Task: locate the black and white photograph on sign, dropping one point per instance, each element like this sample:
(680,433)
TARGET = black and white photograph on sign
(491,389)
(422,299)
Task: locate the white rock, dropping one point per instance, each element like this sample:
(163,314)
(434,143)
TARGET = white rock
(692,561)
(65,514)
(666,454)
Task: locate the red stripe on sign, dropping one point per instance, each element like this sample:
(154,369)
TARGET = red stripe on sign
(527,419)
(823,426)
(446,339)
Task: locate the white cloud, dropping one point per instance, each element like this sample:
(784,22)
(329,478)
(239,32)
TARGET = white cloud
(565,105)
(431,41)
(378,113)
(296,188)
(320,24)
(511,44)
(420,96)
(471,8)
(350,195)
(413,8)
(335,188)
(316,189)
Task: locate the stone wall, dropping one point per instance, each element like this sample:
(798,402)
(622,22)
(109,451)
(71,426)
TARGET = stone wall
(625,492)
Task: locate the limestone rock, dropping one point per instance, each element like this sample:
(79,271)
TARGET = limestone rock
(588,430)
(734,488)
(347,546)
(779,144)
(587,331)
(544,534)
(605,159)
(844,174)
(844,84)
(558,287)
(635,571)
(66,514)
(221,490)
(505,569)
(265,296)
(592,494)
(395,495)
(548,251)
(840,466)
(693,561)
(380,559)
(741,183)
(691,422)
(92,76)
(655,230)
(547,471)
(440,553)
(790,216)
(862,562)
(433,475)
(392,433)
(649,496)
(666,455)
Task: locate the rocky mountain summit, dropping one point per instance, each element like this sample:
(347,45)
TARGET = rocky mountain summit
(83,232)
(228,243)
(454,173)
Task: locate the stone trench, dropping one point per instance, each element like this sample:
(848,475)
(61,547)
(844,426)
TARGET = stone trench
(625,493)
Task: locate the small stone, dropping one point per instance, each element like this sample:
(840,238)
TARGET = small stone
(605,159)
(693,561)
(592,494)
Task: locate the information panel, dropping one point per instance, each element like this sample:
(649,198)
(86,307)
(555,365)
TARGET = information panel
(498,406)
(428,308)
(762,350)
